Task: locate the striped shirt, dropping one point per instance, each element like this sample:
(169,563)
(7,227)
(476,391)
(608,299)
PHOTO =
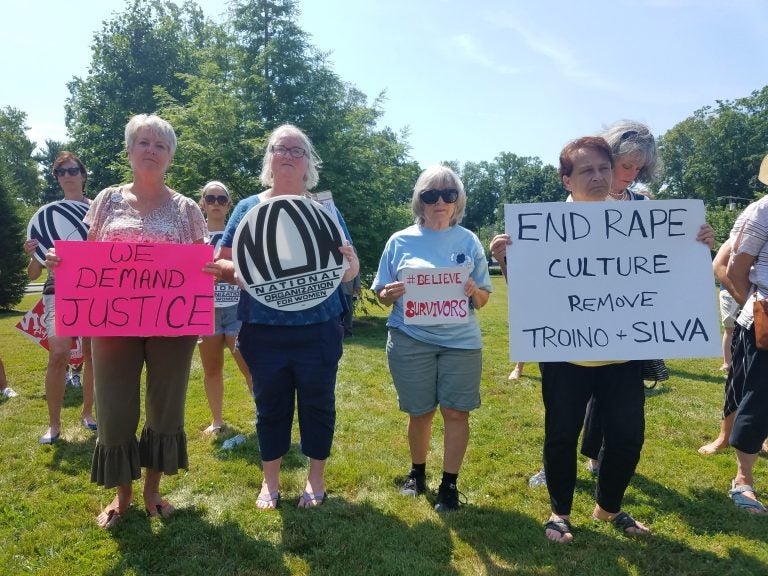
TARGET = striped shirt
(750,236)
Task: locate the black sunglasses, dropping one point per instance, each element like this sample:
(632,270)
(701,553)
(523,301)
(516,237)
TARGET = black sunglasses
(211,199)
(449,196)
(71,171)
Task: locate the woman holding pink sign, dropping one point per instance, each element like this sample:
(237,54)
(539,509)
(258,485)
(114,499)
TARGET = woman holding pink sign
(144,210)
(293,353)
(216,202)
(71,175)
(435,364)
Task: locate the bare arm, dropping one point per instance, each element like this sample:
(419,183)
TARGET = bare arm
(498,248)
(737,274)
(720,263)
(34,268)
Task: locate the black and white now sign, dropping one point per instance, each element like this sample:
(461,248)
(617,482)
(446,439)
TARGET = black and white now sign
(61,220)
(286,253)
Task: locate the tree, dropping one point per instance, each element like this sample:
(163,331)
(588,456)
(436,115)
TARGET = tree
(717,151)
(16,157)
(149,45)
(224,88)
(45,160)
(13,272)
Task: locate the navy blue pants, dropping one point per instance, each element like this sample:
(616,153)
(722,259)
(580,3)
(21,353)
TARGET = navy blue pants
(293,366)
(566,389)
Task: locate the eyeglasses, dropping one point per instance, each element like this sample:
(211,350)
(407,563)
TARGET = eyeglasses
(71,171)
(628,134)
(449,196)
(211,199)
(294,152)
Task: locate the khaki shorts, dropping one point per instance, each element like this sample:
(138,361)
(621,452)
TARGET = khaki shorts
(729,309)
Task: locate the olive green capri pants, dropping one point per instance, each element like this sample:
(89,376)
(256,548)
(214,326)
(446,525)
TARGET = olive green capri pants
(117,365)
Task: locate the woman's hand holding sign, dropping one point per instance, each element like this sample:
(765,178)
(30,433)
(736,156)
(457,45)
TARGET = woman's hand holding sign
(354,263)
(391,292)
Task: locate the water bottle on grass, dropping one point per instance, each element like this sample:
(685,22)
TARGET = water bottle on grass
(232,442)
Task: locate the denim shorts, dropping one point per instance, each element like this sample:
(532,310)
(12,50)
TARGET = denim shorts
(226,322)
(49,314)
(427,375)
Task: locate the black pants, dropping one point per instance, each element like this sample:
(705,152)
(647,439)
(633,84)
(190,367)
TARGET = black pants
(750,426)
(566,390)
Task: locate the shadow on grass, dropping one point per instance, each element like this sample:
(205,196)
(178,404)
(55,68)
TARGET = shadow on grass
(511,543)
(708,512)
(187,543)
(369,332)
(73,458)
(336,538)
(249,451)
(699,377)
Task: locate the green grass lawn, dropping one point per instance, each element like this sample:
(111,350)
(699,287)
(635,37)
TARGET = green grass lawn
(48,505)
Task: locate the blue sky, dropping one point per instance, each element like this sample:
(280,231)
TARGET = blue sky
(468,79)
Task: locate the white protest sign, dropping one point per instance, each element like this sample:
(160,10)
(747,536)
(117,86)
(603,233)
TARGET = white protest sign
(435,295)
(609,281)
(61,220)
(286,253)
(224,294)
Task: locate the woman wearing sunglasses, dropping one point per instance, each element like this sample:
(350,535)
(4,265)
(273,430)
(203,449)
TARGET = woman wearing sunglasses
(71,175)
(216,203)
(437,364)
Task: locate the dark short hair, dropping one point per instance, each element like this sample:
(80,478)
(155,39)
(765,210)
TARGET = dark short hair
(65,156)
(585,143)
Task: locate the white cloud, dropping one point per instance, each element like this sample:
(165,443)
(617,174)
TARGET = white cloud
(565,60)
(472,52)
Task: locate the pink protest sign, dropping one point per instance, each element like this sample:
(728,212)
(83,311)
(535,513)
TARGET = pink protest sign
(133,289)
(435,295)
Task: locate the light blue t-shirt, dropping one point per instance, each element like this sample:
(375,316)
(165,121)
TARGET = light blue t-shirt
(420,247)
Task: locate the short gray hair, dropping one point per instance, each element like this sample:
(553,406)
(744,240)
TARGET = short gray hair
(312,177)
(628,138)
(438,176)
(152,121)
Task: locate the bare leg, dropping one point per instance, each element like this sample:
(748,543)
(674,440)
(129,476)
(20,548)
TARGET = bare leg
(118,506)
(745,463)
(456,438)
(721,442)
(727,339)
(212,358)
(314,491)
(517,372)
(58,358)
(270,486)
(240,361)
(419,432)
(153,502)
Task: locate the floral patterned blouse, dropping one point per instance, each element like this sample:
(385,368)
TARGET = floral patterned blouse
(112,219)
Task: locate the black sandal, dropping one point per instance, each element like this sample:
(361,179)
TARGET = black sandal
(561,526)
(623,522)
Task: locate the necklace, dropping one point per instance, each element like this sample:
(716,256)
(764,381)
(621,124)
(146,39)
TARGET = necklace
(620,196)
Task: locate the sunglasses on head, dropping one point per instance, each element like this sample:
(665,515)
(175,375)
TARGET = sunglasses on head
(211,199)
(71,171)
(449,196)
